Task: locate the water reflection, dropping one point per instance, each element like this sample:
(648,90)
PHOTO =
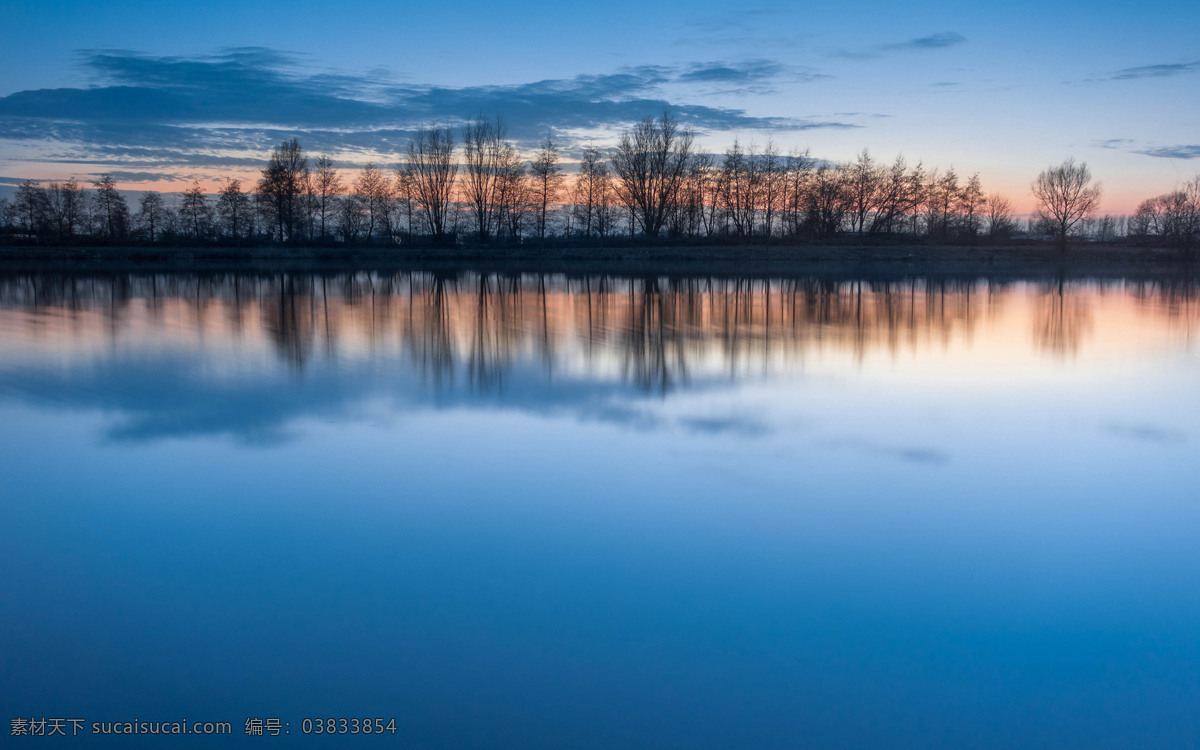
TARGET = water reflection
(653,332)
(656,510)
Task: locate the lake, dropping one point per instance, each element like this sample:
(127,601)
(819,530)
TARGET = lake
(599,511)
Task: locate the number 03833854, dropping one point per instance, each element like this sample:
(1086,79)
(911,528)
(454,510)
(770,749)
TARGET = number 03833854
(351,725)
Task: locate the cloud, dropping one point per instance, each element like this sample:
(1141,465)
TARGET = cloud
(1173,152)
(746,77)
(1183,151)
(1159,70)
(940,40)
(126,176)
(751,71)
(143,111)
(1155,71)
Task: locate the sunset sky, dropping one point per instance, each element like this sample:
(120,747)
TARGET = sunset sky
(163,93)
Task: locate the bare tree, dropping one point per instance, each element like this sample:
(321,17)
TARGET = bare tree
(941,200)
(650,163)
(737,186)
(431,171)
(374,192)
(281,190)
(971,204)
(1065,196)
(546,174)
(998,221)
(863,179)
(151,213)
(797,171)
(1173,216)
(29,210)
(898,196)
(406,198)
(233,206)
(487,157)
(514,195)
(65,205)
(196,212)
(827,200)
(352,217)
(112,212)
(327,186)
(591,190)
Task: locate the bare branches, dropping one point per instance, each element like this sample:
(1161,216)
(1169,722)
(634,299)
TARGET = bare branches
(1065,196)
(431,172)
(281,190)
(650,163)
(547,178)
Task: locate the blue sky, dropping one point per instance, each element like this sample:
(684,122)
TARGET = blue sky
(192,90)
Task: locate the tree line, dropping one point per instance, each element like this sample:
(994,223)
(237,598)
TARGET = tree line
(655,182)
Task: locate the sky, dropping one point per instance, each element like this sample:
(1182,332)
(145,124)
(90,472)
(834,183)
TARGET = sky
(159,94)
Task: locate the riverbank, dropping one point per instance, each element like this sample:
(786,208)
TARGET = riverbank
(1014,260)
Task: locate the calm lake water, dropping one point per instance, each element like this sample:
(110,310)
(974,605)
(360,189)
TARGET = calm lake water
(604,512)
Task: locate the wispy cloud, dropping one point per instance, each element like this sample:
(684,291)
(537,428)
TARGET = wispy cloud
(752,71)
(1139,72)
(744,77)
(1173,152)
(1182,151)
(940,40)
(149,111)
(1162,70)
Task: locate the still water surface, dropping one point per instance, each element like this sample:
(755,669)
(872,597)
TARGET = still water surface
(598,512)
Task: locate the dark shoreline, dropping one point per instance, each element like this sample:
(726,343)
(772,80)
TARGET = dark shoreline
(842,260)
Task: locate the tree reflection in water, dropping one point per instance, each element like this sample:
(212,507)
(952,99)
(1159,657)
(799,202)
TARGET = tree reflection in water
(654,331)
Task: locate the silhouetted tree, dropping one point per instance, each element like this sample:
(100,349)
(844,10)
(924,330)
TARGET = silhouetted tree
(29,210)
(151,214)
(999,223)
(487,157)
(233,206)
(591,190)
(863,178)
(352,217)
(406,198)
(827,200)
(195,211)
(112,212)
(898,195)
(941,198)
(1065,196)
(373,192)
(431,170)
(971,205)
(649,164)
(739,188)
(66,208)
(327,186)
(1173,216)
(547,177)
(514,194)
(281,190)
